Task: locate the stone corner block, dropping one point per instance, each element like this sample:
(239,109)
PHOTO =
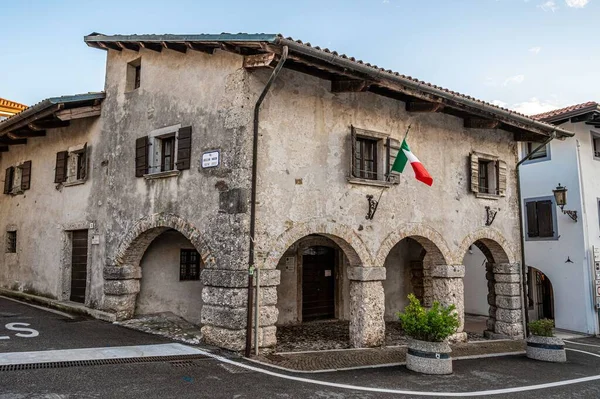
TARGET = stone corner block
(513,330)
(508,302)
(509,289)
(448,271)
(238,278)
(506,268)
(126,272)
(366,273)
(508,316)
(121,287)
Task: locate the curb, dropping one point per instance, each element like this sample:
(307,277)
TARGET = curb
(59,305)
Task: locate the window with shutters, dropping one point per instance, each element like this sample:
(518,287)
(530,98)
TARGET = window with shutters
(540,219)
(543,154)
(11,242)
(133,79)
(596,145)
(373,155)
(72,165)
(189,265)
(17,179)
(488,176)
(164,152)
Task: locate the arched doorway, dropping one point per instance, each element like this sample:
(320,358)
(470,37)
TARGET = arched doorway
(540,295)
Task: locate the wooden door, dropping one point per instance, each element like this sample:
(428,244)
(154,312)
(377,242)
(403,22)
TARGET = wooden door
(79,250)
(318,283)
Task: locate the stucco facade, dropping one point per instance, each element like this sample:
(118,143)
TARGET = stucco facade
(306,198)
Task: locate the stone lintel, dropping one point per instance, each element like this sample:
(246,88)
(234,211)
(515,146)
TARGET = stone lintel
(506,268)
(238,278)
(125,272)
(448,271)
(366,273)
(121,287)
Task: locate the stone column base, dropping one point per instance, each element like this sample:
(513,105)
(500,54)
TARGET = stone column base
(367,302)
(235,340)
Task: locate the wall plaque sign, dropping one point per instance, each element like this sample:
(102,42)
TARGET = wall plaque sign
(211,159)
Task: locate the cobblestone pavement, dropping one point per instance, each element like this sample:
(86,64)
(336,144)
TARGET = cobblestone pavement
(166,324)
(342,359)
(334,334)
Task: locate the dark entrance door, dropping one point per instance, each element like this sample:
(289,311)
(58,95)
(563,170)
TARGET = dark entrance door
(318,283)
(545,296)
(79,249)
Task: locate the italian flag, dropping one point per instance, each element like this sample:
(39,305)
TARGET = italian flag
(404,156)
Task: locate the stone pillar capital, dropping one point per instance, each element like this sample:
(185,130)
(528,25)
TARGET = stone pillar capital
(366,273)
(447,271)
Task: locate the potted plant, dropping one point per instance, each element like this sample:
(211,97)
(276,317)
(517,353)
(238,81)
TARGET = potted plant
(428,330)
(542,344)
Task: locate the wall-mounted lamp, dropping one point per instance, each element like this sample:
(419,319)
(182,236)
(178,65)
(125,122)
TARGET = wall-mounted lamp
(560,195)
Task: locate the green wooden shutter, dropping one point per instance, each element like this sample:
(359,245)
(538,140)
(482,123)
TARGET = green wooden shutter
(60,173)
(532,222)
(141,156)
(184,148)
(8,180)
(26,176)
(544,217)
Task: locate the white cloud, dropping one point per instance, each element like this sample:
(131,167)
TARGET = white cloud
(535,50)
(550,5)
(535,106)
(500,104)
(517,79)
(577,3)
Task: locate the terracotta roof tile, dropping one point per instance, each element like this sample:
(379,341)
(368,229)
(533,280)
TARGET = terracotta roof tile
(566,110)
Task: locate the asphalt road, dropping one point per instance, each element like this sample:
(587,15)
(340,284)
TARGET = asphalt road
(219,378)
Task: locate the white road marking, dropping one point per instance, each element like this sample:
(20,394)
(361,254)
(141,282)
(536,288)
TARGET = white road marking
(116,352)
(577,343)
(31,333)
(409,392)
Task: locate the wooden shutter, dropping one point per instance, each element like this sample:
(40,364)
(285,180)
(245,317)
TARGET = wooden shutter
(83,163)
(393,147)
(353,167)
(60,173)
(26,175)
(8,180)
(474,173)
(532,223)
(544,217)
(141,156)
(184,148)
(502,172)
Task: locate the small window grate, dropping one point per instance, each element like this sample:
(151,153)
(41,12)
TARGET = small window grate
(11,241)
(189,265)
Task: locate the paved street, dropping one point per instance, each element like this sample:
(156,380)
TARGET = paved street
(220,374)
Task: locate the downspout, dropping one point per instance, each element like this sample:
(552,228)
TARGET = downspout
(262,96)
(524,306)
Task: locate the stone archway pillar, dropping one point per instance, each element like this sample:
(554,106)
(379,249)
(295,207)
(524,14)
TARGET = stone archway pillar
(508,315)
(448,289)
(121,286)
(367,305)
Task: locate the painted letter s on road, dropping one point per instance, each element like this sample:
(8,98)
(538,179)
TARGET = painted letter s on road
(15,327)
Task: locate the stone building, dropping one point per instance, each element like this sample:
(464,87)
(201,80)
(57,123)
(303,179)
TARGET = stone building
(167,209)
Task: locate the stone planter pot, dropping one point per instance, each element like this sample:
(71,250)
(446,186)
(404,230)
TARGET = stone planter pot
(547,349)
(429,357)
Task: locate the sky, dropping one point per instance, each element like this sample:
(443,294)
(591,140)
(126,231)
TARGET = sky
(527,55)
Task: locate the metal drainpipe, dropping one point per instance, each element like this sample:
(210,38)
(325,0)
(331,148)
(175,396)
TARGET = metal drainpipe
(274,75)
(522,232)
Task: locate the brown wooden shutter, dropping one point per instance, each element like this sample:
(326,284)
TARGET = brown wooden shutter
(141,156)
(8,179)
(532,223)
(83,163)
(544,217)
(502,172)
(353,167)
(26,175)
(393,147)
(184,148)
(474,173)
(60,173)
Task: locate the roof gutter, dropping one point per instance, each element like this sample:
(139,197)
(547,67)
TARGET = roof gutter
(23,116)
(378,74)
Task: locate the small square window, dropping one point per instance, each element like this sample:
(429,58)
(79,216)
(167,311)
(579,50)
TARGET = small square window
(365,158)
(488,177)
(134,75)
(189,265)
(540,219)
(541,154)
(11,241)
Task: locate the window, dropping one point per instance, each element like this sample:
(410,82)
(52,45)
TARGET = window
(596,145)
(72,165)
(543,154)
(373,155)
(17,179)
(134,75)
(164,150)
(488,176)
(11,241)
(189,266)
(540,218)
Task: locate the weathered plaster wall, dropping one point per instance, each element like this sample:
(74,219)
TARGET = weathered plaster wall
(160,287)
(476,288)
(44,212)
(397,284)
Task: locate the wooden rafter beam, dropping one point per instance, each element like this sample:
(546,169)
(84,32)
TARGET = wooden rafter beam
(3,148)
(267,60)
(152,46)
(129,46)
(423,106)
(180,47)
(201,48)
(48,124)
(8,141)
(349,86)
(481,123)
(25,133)
(113,46)
(78,113)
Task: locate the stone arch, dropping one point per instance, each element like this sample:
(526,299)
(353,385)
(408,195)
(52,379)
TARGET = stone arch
(491,242)
(122,274)
(144,231)
(432,241)
(344,236)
